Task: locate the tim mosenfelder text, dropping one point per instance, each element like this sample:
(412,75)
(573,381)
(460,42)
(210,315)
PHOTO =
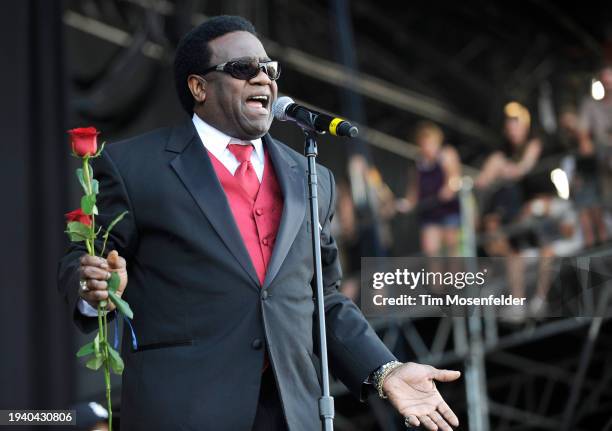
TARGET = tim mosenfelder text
(436,280)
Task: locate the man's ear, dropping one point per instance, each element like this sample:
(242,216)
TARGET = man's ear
(197,86)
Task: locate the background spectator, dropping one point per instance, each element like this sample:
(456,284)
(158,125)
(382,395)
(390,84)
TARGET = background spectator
(585,187)
(433,192)
(596,123)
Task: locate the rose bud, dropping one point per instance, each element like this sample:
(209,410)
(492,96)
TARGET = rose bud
(84,141)
(78,215)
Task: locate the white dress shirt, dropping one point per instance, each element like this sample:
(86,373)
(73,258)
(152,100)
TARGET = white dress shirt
(216,142)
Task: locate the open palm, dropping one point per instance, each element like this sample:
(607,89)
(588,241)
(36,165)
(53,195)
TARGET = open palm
(412,390)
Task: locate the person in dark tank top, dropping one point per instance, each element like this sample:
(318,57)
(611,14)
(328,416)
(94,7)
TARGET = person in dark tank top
(433,192)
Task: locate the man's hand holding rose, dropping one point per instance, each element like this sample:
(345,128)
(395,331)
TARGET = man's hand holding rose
(95,271)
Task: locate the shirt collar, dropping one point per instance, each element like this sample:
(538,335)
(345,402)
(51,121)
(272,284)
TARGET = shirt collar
(216,141)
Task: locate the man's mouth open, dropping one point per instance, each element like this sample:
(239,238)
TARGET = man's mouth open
(259,103)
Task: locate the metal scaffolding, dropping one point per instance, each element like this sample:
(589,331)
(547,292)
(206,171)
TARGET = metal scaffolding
(531,385)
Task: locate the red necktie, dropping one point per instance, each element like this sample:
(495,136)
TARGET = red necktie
(245,174)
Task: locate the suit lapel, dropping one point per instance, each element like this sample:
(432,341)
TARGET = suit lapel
(292,183)
(195,170)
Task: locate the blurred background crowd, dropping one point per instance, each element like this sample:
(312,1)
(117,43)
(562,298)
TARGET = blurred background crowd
(486,130)
(540,193)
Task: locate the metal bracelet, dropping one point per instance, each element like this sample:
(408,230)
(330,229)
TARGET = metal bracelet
(381,374)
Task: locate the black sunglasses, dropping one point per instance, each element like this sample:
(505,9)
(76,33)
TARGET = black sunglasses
(247,69)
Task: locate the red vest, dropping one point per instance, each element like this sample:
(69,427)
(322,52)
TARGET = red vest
(257,220)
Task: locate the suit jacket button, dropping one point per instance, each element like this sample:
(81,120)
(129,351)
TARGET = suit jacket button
(264,294)
(257,344)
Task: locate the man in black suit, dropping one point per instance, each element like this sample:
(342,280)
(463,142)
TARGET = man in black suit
(222,347)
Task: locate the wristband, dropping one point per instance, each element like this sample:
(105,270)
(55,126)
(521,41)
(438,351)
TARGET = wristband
(381,374)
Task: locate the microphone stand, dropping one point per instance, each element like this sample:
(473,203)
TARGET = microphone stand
(326,402)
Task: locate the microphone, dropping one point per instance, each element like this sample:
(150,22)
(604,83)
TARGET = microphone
(285,109)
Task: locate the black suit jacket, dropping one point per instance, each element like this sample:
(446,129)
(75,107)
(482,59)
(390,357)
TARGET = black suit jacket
(202,320)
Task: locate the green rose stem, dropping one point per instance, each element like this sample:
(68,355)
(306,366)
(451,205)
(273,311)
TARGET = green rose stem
(102,305)
(87,180)
(107,372)
(82,227)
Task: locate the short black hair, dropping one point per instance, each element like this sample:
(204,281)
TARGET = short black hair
(193,55)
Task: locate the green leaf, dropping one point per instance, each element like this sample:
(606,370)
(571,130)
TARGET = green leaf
(113,282)
(74,238)
(77,231)
(115,221)
(122,306)
(116,362)
(94,363)
(95,187)
(85,350)
(79,174)
(87,203)
(96,345)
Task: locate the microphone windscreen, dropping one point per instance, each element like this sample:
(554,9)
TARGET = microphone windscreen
(279,108)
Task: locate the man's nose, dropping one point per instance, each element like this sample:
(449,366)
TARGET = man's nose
(261,78)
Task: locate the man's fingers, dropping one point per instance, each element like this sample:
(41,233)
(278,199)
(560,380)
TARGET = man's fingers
(448,414)
(115,261)
(99,262)
(428,423)
(413,420)
(418,410)
(96,284)
(95,273)
(95,296)
(440,422)
(446,375)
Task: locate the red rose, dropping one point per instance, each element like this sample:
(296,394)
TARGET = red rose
(78,215)
(84,141)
